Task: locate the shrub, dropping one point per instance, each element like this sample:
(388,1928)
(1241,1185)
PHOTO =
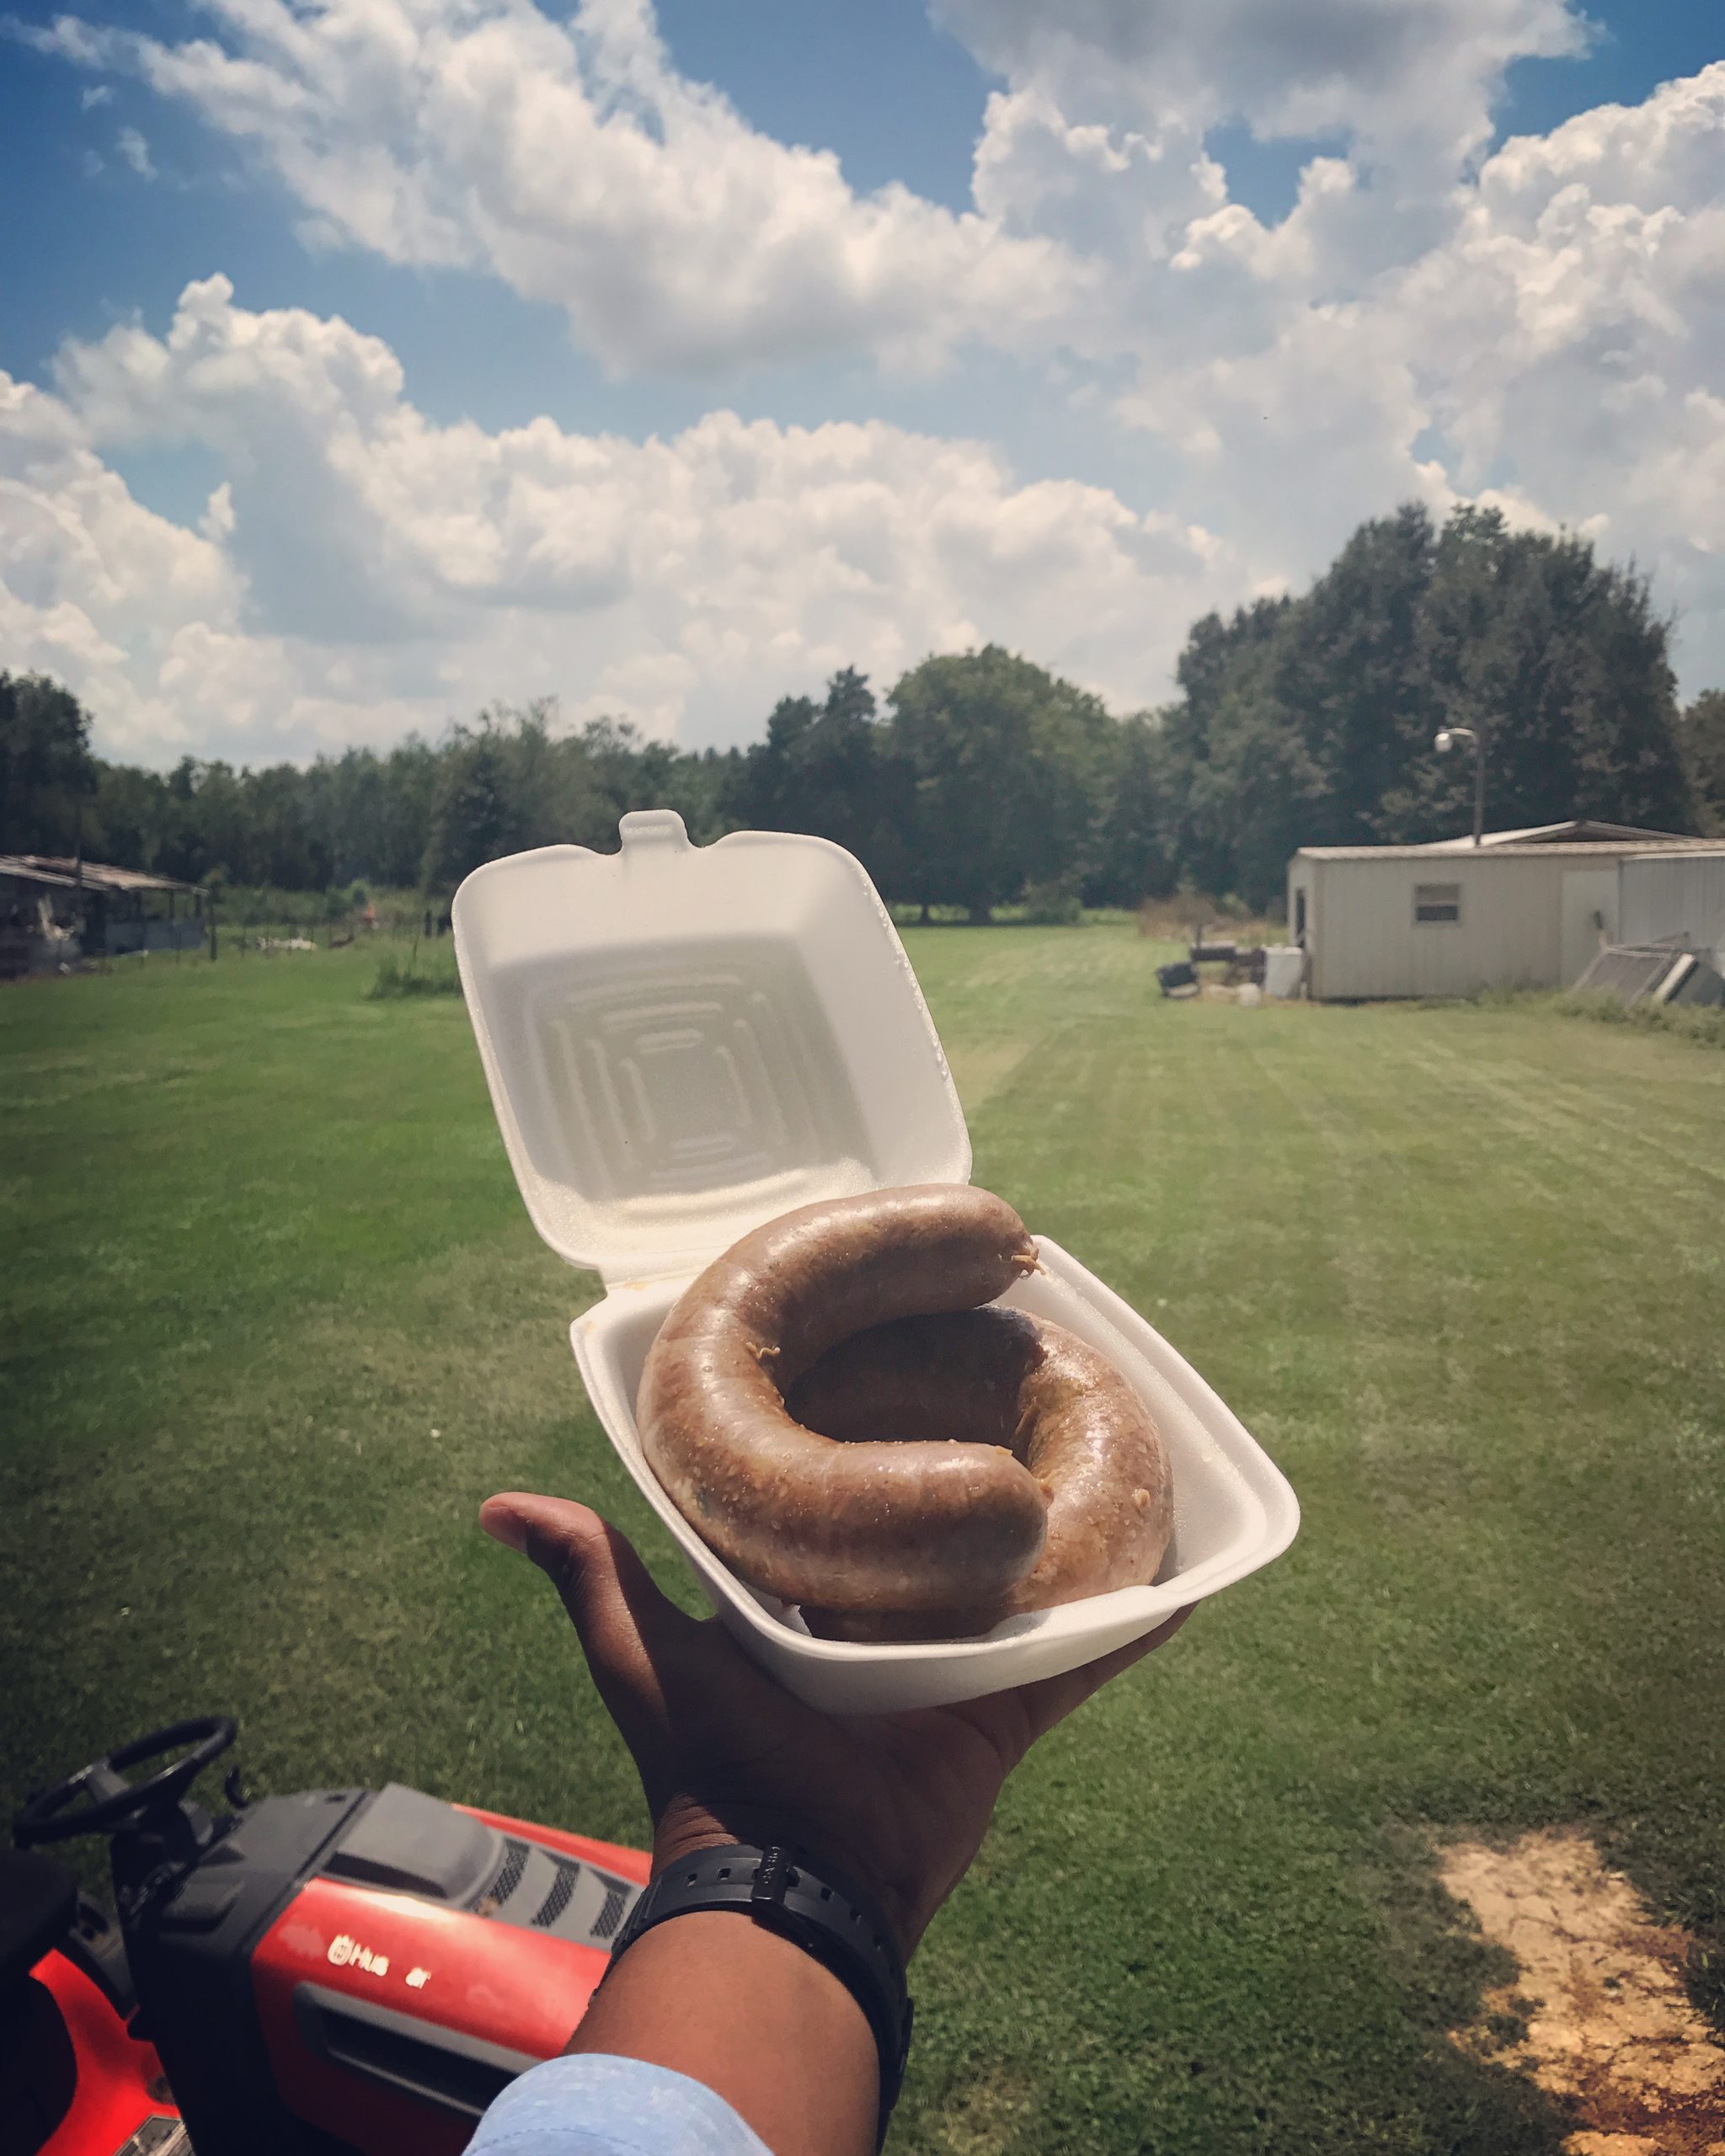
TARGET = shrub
(396,978)
(1705,1028)
(1178,919)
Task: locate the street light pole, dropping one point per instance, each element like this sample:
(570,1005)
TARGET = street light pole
(1479,784)
(1446,740)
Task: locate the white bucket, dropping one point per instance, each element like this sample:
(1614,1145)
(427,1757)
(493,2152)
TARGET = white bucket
(683,1041)
(1284,970)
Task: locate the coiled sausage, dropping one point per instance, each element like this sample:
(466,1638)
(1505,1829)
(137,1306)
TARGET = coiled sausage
(919,1526)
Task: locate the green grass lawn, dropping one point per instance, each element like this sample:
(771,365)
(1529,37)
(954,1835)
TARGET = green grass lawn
(275,1321)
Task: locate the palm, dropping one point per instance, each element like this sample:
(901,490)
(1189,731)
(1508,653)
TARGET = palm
(902,1801)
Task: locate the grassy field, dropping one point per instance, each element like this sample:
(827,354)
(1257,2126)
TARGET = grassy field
(275,1322)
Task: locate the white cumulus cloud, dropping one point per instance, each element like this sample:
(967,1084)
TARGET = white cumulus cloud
(1561,341)
(1412,81)
(360,568)
(573,161)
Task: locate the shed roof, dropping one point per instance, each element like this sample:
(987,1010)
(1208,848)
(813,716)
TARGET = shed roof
(1541,850)
(21,871)
(1578,831)
(96,875)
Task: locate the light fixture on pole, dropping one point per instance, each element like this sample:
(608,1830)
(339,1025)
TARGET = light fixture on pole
(1444,742)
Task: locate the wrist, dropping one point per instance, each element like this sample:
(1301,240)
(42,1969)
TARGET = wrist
(807,1901)
(686,1825)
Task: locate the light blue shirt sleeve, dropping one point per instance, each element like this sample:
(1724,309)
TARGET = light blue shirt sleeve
(594,2105)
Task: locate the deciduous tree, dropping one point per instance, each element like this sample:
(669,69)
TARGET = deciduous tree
(47,774)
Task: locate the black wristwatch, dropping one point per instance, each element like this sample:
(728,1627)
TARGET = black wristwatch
(813,1904)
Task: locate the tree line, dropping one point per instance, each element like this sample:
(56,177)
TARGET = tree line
(980,779)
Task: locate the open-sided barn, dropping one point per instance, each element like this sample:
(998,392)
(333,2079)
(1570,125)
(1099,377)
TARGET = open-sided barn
(56,909)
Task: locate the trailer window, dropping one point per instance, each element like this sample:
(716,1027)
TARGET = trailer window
(1437,902)
(1300,915)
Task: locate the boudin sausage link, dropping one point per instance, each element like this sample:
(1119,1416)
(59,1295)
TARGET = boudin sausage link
(916,1526)
(1002,1377)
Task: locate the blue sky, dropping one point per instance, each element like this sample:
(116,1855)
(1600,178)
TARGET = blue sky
(1092,263)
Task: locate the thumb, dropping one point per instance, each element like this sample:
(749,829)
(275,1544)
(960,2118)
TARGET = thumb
(630,1631)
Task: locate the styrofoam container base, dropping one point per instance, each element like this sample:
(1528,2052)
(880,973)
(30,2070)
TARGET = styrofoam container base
(1233,1512)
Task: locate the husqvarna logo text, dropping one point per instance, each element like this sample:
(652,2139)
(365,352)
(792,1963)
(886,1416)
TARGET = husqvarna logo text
(345,1952)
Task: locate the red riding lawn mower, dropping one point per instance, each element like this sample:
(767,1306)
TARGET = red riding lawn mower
(341,1972)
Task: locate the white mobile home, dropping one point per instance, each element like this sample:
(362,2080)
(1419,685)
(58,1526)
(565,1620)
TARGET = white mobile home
(1521,910)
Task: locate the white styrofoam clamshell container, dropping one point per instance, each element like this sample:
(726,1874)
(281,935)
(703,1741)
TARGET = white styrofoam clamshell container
(683,1041)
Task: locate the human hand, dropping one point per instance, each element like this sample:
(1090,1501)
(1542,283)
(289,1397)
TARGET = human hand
(726,1754)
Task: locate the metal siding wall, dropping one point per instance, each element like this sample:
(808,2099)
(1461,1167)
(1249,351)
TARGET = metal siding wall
(1681,896)
(1368,944)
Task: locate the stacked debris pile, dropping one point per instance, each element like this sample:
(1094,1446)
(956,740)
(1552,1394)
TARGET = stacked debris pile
(1655,973)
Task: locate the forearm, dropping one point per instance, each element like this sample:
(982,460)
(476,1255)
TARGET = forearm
(894,1806)
(716,1996)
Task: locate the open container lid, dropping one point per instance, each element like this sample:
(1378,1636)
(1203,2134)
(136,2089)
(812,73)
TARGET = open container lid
(682,1042)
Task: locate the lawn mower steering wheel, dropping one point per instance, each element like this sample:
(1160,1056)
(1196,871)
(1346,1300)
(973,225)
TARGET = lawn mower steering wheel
(115,1803)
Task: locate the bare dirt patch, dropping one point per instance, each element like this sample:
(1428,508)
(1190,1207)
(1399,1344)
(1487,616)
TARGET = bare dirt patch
(1598,2015)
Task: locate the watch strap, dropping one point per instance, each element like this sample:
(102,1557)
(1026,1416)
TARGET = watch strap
(817,1907)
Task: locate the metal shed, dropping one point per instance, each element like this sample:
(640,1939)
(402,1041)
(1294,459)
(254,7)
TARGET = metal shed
(1521,910)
